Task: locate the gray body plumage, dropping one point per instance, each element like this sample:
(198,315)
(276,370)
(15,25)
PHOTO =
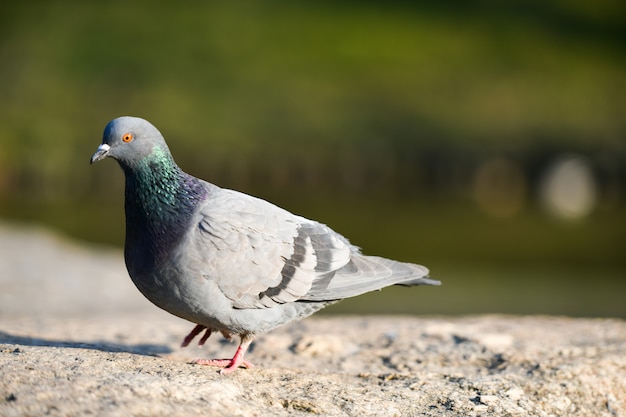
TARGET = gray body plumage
(247,266)
(226,260)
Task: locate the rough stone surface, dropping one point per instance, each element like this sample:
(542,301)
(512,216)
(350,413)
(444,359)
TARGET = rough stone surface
(77,339)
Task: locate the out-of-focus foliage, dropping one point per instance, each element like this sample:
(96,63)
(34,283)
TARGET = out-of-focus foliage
(349,90)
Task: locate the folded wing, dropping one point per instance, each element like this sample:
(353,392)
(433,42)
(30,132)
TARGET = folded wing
(261,255)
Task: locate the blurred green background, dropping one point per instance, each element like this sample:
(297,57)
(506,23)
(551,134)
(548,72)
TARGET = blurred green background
(484,139)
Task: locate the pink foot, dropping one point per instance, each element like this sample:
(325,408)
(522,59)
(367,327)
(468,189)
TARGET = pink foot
(227,365)
(230,365)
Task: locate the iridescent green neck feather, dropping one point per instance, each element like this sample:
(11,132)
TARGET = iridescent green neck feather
(160,202)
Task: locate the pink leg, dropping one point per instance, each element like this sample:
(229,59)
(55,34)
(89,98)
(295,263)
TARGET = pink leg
(205,336)
(230,365)
(195,332)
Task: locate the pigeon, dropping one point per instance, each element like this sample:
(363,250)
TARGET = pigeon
(224,260)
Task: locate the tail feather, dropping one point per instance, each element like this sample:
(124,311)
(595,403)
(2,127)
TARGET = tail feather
(367,273)
(420,281)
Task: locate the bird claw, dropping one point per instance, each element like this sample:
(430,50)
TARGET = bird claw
(227,365)
(230,365)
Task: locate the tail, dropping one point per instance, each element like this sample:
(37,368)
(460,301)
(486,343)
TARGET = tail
(420,281)
(368,273)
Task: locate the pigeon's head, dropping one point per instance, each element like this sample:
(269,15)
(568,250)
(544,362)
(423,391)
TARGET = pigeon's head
(129,140)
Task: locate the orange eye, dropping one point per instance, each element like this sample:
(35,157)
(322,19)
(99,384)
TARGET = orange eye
(128,137)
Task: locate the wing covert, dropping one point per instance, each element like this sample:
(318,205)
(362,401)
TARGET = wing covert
(260,255)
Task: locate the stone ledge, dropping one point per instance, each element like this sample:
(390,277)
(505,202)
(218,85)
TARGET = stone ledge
(337,366)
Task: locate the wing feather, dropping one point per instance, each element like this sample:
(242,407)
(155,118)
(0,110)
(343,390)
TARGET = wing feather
(260,256)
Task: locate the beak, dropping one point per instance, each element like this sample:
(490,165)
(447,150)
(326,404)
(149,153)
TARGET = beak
(101,153)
